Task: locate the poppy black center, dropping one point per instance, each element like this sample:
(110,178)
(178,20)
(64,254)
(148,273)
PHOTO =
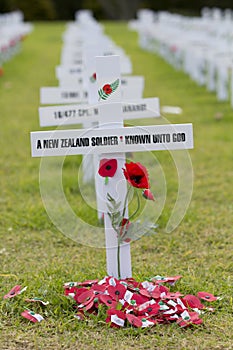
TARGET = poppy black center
(109,301)
(108,167)
(149,309)
(136,178)
(117,292)
(207,297)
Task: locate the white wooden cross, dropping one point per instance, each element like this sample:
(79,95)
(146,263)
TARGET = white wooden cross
(112,140)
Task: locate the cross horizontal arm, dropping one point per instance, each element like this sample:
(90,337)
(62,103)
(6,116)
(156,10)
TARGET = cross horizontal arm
(111,140)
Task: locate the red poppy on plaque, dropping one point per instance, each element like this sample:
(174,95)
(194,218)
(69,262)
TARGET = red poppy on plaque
(108,89)
(148,195)
(136,174)
(117,292)
(93,77)
(206,296)
(16,290)
(107,168)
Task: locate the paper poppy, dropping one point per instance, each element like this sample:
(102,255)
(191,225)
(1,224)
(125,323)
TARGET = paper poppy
(86,297)
(148,195)
(134,320)
(172,295)
(116,318)
(16,290)
(151,309)
(192,301)
(206,296)
(107,300)
(107,167)
(189,318)
(32,316)
(136,174)
(117,292)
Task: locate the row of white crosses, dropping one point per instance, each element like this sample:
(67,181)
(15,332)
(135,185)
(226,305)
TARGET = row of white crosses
(12,30)
(51,143)
(201,46)
(83,40)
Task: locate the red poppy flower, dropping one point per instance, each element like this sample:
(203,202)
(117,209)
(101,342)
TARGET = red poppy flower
(148,195)
(14,291)
(107,167)
(32,316)
(206,296)
(138,299)
(189,318)
(107,89)
(170,280)
(134,320)
(151,309)
(192,301)
(136,174)
(1,71)
(98,288)
(171,295)
(116,317)
(107,300)
(117,292)
(86,297)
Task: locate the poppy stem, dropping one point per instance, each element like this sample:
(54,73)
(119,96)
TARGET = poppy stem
(118,258)
(125,202)
(138,207)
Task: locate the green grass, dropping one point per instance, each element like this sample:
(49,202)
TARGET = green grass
(34,253)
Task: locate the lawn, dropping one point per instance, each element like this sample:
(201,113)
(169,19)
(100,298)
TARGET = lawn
(34,253)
